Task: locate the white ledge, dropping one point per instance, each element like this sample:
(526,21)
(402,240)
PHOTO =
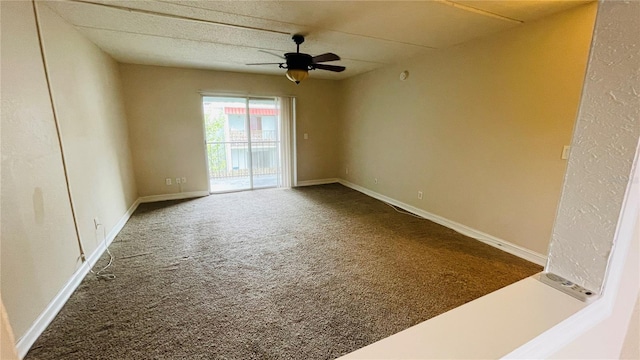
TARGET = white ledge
(491,327)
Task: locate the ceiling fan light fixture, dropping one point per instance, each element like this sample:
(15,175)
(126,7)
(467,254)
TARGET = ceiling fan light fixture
(298,64)
(297,75)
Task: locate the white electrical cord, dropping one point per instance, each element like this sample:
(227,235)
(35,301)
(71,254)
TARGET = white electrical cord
(99,274)
(402,211)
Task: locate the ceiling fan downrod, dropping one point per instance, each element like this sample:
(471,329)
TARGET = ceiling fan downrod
(298,39)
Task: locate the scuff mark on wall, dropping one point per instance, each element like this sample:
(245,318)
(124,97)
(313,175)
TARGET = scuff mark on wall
(38,205)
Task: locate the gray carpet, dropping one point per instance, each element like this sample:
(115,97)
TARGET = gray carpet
(308,273)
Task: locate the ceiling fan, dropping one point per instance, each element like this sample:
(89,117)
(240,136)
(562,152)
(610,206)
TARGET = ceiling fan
(298,64)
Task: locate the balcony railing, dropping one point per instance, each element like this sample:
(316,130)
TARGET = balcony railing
(256,135)
(231,159)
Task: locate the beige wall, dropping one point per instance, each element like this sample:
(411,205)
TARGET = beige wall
(86,90)
(631,345)
(164,108)
(39,250)
(479,128)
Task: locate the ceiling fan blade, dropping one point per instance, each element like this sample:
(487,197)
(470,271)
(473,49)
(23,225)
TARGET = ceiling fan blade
(271,53)
(334,68)
(325,57)
(264,64)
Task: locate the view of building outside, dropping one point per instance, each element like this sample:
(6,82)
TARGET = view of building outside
(242,152)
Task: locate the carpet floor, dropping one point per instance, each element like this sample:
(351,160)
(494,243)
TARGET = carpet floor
(305,273)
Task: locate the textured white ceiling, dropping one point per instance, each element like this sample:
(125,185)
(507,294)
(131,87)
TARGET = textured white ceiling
(226,35)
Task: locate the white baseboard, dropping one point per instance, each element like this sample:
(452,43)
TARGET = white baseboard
(40,324)
(102,247)
(317,182)
(44,319)
(175,196)
(504,245)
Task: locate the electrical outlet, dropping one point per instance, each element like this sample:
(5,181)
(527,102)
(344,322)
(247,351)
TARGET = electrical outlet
(177,180)
(565,152)
(375,180)
(167,181)
(184,180)
(419,195)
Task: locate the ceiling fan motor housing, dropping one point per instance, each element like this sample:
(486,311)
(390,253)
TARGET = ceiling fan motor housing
(298,61)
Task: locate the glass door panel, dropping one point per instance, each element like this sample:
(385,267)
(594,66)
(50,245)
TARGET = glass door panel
(227,140)
(243,142)
(263,126)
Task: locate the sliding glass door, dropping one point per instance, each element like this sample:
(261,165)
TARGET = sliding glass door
(264,142)
(243,142)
